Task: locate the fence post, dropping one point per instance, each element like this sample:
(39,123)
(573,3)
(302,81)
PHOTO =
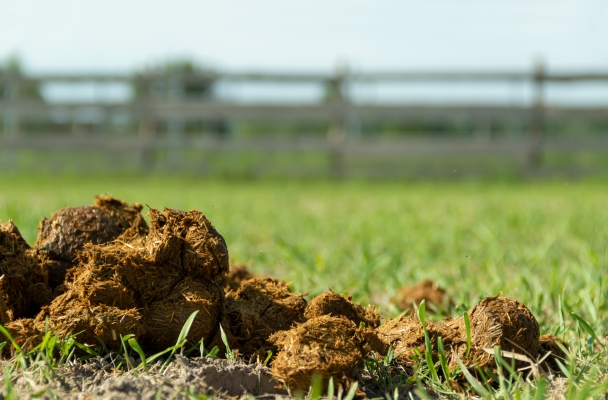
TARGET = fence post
(336,135)
(147,124)
(538,118)
(12,128)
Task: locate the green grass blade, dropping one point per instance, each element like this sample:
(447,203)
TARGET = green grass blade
(352,391)
(181,339)
(135,346)
(467,327)
(443,359)
(475,384)
(10,338)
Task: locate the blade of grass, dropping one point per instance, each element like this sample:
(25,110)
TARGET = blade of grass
(181,339)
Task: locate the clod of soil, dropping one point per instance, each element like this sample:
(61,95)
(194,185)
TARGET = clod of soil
(237,274)
(259,308)
(328,346)
(330,303)
(410,296)
(505,322)
(200,250)
(165,318)
(549,344)
(69,229)
(24,282)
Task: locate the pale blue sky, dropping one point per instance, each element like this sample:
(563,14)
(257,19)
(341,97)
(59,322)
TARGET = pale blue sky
(120,35)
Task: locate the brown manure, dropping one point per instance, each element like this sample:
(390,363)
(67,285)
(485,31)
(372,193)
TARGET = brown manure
(325,345)
(549,346)
(70,314)
(164,319)
(6,314)
(505,322)
(259,308)
(26,332)
(234,278)
(190,242)
(411,296)
(406,335)
(330,303)
(67,230)
(24,282)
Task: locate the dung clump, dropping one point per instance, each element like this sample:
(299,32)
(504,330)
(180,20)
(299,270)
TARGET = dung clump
(190,235)
(330,303)
(165,318)
(24,282)
(70,314)
(325,345)
(259,308)
(6,314)
(233,279)
(67,230)
(505,322)
(406,336)
(549,347)
(25,332)
(411,296)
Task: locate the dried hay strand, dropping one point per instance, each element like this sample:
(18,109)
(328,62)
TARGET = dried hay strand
(548,346)
(190,239)
(411,296)
(237,274)
(325,345)
(165,318)
(505,322)
(330,303)
(24,282)
(70,314)
(259,308)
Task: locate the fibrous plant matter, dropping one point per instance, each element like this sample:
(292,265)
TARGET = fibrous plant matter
(71,314)
(330,303)
(549,347)
(165,318)
(259,308)
(234,277)
(411,296)
(189,241)
(325,345)
(24,282)
(67,231)
(495,321)
(6,314)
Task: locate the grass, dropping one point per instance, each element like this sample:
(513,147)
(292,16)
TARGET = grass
(543,243)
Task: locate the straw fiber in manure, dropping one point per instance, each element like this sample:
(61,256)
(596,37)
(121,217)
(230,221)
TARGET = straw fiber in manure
(67,230)
(330,303)
(233,279)
(23,281)
(259,308)
(325,345)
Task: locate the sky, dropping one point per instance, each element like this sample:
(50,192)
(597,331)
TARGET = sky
(297,35)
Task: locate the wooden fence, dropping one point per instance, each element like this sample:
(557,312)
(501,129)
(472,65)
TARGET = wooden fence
(334,110)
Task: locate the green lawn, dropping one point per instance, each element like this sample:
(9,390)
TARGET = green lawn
(541,243)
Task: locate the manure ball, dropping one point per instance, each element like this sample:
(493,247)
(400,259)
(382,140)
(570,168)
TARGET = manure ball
(329,346)
(330,303)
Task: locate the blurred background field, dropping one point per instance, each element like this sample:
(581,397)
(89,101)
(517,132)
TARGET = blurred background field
(539,242)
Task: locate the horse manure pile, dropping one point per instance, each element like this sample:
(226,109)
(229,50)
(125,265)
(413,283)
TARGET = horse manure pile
(100,272)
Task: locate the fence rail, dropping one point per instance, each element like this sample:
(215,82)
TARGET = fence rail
(336,110)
